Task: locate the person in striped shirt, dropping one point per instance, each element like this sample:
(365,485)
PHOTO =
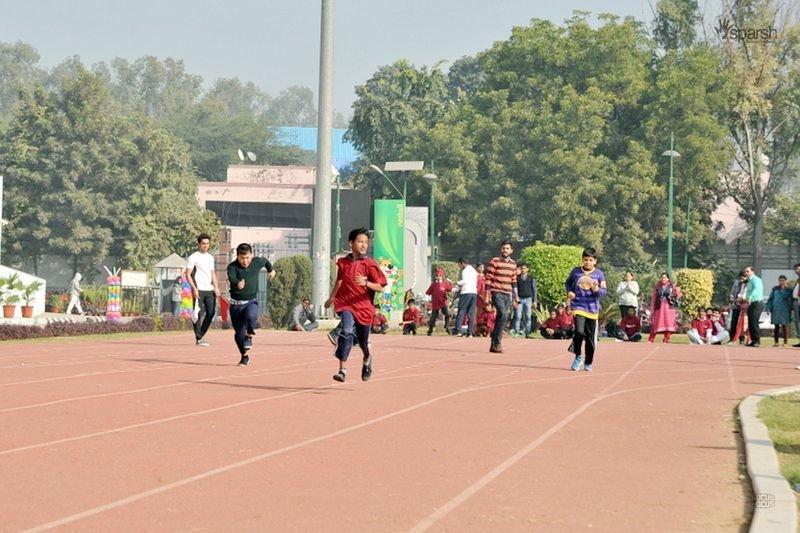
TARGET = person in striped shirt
(500,280)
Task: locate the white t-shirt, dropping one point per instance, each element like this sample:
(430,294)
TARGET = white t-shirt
(204,262)
(469,280)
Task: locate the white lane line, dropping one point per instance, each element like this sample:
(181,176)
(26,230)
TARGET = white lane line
(198,477)
(498,470)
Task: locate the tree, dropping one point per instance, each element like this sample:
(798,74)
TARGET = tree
(675,23)
(84,182)
(239,98)
(760,46)
(18,70)
(293,107)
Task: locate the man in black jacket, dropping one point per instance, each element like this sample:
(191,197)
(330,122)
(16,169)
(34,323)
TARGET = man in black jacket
(526,297)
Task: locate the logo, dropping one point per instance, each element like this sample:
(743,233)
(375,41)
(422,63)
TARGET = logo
(728,31)
(765,500)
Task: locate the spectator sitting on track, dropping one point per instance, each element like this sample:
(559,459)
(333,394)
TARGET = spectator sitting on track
(702,329)
(486,320)
(630,327)
(567,321)
(551,329)
(379,322)
(720,333)
(303,318)
(410,318)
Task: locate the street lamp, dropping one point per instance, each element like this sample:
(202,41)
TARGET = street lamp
(432,178)
(672,154)
(377,169)
(335,173)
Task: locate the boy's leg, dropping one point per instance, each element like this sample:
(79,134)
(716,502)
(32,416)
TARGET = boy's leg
(432,321)
(694,336)
(635,338)
(446,315)
(346,335)
(239,328)
(208,306)
(471,307)
(590,335)
(362,334)
(577,341)
(462,310)
(527,311)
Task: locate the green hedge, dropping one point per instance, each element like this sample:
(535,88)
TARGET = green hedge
(697,286)
(550,264)
(291,284)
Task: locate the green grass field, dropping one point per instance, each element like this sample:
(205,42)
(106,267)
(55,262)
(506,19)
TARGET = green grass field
(781,415)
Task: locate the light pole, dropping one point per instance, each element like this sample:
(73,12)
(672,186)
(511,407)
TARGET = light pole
(377,169)
(686,235)
(672,154)
(336,174)
(432,178)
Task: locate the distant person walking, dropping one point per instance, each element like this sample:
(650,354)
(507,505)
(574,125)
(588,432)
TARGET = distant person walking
(755,297)
(664,302)
(203,278)
(500,279)
(779,307)
(527,296)
(467,298)
(75,295)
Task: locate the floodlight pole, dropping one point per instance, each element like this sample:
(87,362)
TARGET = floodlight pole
(321,232)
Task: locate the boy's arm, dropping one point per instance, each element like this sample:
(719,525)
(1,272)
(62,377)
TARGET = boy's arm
(188,273)
(215,283)
(233,277)
(268,266)
(336,286)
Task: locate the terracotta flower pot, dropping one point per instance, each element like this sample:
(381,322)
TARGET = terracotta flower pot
(27,311)
(8,311)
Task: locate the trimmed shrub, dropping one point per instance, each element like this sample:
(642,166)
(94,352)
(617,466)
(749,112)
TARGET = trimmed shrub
(697,286)
(451,270)
(292,283)
(550,264)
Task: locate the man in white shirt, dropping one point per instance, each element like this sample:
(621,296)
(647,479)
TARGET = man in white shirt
(468,297)
(203,279)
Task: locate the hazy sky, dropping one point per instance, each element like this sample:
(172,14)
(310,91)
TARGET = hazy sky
(275,43)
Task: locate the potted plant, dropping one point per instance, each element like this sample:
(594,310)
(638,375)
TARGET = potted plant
(8,294)
(28,292)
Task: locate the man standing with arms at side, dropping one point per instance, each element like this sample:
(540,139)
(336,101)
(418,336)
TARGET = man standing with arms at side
(203,279)
(500,280)
(527,296)
(468,297)
(755,295)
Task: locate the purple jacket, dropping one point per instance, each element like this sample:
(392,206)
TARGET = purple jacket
(586,302)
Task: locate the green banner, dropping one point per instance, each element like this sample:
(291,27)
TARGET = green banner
(388,246)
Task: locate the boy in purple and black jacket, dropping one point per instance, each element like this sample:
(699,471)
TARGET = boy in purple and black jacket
(586,286)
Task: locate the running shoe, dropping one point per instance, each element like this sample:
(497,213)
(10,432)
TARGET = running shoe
(366,369)
(340,375)
(244,360)
(576,363)
(201,342)
(587,368)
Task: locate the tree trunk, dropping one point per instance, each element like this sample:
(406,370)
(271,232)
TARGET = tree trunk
(758,240)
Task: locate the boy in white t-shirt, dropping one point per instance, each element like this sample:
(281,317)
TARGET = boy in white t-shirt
(203,279)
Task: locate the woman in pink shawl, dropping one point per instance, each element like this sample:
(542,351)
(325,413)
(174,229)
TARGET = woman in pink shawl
(664,302)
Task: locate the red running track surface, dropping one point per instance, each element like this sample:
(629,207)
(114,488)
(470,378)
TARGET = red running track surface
(155,434)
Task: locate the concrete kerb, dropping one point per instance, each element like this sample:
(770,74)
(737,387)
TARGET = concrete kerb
(775,506)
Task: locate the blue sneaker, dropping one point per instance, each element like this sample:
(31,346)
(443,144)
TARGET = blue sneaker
(576,364)
(588,368)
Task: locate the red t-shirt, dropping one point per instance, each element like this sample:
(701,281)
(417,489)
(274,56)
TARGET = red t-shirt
(553,323)
(438,293)
(702,326)
(490,319)
(411,315)
(631,325)
(378,320)
(567,321)
(352,297)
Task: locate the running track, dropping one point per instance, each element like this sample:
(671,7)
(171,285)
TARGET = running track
(155,434)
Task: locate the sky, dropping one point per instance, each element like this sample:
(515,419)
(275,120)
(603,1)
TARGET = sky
(275,43)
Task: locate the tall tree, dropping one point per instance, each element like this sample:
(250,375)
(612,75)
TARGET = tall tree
(18,70)
(81,179)
(760,46)
(675,24)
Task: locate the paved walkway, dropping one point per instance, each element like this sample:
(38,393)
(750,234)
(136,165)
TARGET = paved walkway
(152,433)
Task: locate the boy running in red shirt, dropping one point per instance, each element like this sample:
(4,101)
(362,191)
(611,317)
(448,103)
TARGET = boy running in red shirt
(357,280)
(438,291)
